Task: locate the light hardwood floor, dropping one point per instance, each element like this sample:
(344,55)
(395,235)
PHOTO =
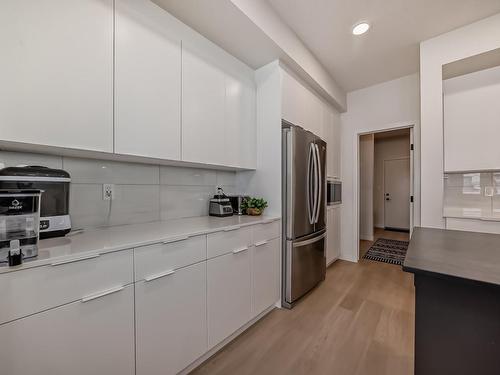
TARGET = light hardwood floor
(359,321)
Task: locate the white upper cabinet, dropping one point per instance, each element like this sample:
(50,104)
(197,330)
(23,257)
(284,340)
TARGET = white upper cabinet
(471,120)
(332,136)
(124,77)
(203,109)
(337,136)
(240,122)
(218,107)
(147,81)
(57,73)
(300,106)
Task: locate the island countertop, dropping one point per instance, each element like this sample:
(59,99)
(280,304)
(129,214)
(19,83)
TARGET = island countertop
(468,255)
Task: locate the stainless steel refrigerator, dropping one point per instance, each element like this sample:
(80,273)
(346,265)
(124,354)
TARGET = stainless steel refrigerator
(304,206)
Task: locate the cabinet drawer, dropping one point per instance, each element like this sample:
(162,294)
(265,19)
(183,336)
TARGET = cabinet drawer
(95,337)
(154,260)
(266,232)
(33,290)
(229,240)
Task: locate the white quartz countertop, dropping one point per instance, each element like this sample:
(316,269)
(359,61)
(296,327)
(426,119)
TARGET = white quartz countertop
(104,240)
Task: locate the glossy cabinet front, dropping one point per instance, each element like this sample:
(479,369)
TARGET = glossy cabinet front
(90,336)
(81,315)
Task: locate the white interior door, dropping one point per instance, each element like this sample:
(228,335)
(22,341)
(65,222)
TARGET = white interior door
(397,193)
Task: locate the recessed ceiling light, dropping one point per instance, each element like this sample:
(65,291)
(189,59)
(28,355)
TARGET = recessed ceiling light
(360,28)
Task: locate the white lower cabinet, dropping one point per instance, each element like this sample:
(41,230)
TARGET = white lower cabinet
(265,275)
(179,307)
(333,234)
(171,326)
(93,336)
(228,294)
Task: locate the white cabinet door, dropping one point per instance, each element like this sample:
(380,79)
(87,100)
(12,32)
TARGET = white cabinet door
(329,133)
(147,81)
(228,295)
(81,338)
(294,99)
(333,234)
(203,110)
(265,275)
(171,326)
(57,73)
(336,172)
(240,123)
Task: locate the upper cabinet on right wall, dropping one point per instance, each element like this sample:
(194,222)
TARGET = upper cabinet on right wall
(472,121)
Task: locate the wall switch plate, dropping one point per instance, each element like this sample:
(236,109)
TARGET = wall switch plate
(108,192)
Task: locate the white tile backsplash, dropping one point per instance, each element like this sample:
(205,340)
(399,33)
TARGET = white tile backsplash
(143,192)
(90,171)
(135,204)
(226,178)
(471,195)
(86,206)
(187,176)
(184,201)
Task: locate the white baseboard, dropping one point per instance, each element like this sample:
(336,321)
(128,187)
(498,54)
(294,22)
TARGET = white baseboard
(222,344)
(366,237)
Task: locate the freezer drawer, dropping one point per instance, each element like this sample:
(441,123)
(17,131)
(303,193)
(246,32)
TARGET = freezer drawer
(305,265)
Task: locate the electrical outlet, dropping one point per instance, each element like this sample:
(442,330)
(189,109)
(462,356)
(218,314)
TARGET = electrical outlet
(108,192)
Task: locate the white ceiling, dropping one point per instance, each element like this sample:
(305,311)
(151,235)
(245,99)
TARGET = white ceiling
(391,48)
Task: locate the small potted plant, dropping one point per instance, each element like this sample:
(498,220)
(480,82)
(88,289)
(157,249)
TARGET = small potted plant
(254,206)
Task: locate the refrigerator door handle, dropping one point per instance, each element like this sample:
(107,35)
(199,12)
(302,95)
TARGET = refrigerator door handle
(309,241)
(318,173)
(310,210)
(316,183)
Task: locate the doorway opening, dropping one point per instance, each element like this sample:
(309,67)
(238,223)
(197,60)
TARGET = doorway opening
(385,173)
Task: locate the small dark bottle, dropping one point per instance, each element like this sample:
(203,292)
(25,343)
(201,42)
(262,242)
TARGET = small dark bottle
(15,254)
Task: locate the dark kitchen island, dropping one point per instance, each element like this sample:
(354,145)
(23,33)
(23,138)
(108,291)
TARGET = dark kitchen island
(457,309)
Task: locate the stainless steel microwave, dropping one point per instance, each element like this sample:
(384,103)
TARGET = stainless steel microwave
(333,192)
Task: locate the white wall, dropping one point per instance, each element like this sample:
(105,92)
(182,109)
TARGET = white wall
(470,40)
(472,121)
(385,106)
(366,169)
(385,149)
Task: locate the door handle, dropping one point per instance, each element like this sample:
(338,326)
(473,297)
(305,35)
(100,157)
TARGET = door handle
(159,275)
(240,250)
(310,165)
(75,259)
(102,294)
(318,172)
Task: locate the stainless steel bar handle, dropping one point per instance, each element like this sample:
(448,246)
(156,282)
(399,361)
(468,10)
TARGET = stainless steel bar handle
(310,211)
(308,242)
(319,199)
(316,183)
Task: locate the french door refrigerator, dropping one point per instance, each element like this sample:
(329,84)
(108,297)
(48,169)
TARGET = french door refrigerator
(304,206)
